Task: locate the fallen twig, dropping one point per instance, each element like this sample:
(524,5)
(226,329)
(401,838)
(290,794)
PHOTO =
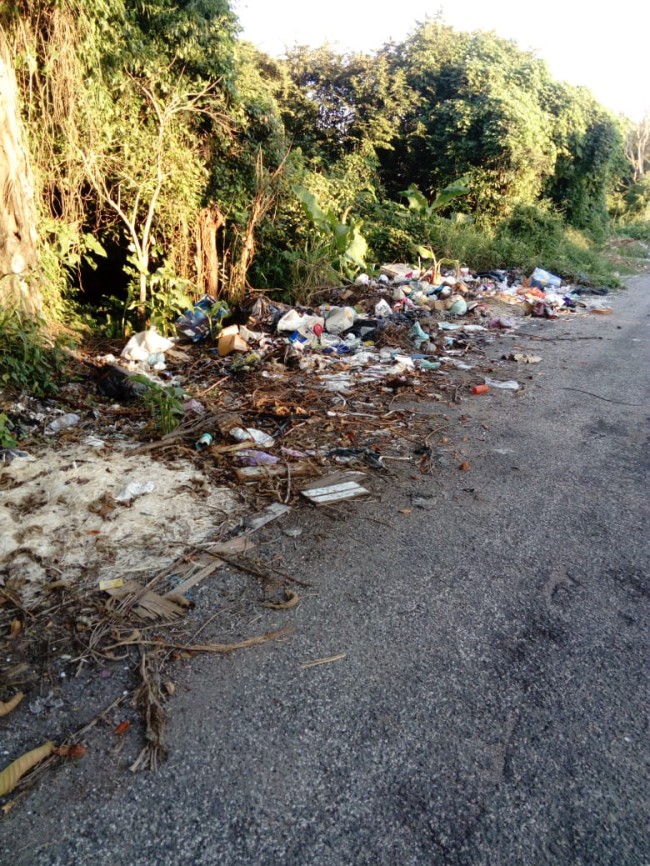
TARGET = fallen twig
(209,647)
(606,399)
(324,661)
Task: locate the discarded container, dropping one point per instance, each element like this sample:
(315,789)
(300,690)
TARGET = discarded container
(340,319)
(480,389)
(204,441)
(541,279)
(230,341)
(295,321)
(64,422)
(510,385)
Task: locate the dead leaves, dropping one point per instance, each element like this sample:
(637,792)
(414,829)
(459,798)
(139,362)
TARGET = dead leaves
(8,706)
(146,604)
(12,774)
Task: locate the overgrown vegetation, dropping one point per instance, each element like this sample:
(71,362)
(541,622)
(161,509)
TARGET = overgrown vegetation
(170,159)
(30,361)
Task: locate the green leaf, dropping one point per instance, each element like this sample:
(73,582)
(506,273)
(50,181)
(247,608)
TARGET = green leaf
(311,206)
(357,247)
(417,201)
(93,245)
(449,193)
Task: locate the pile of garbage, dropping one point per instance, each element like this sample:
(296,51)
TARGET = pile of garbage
(399,323)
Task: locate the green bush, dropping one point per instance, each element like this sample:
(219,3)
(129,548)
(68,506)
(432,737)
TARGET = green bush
(30,361)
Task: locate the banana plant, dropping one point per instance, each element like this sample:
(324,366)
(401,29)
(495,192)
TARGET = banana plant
(418,203)
(346,245)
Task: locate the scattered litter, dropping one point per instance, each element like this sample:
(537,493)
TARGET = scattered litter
(134,489)
(257,458)
(204,441)
(249,434)
(334,488)
(273,398)
(39,706)
(7,455)
(64,422)
(275,510)
(116,383)
(195,324)
(541,279)
(522,358)
(510,385)
(231,341)
(142,346)
(112,583)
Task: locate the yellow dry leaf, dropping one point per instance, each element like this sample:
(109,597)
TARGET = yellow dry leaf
(8,706)
(12,774)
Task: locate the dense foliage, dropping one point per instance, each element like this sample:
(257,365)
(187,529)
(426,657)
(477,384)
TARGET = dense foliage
(171,158)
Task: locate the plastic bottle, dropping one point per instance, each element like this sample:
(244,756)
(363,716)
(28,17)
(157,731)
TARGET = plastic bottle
(204,442)
(64,422)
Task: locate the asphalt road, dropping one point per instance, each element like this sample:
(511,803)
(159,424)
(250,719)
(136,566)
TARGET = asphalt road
(490,709)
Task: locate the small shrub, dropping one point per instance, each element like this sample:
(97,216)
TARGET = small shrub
(7,439)
(165,404)
(30,360)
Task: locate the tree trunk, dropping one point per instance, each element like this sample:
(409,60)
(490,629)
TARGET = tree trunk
(18,256)
(207,256)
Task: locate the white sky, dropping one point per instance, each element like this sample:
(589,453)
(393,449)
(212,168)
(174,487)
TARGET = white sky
(604,47)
